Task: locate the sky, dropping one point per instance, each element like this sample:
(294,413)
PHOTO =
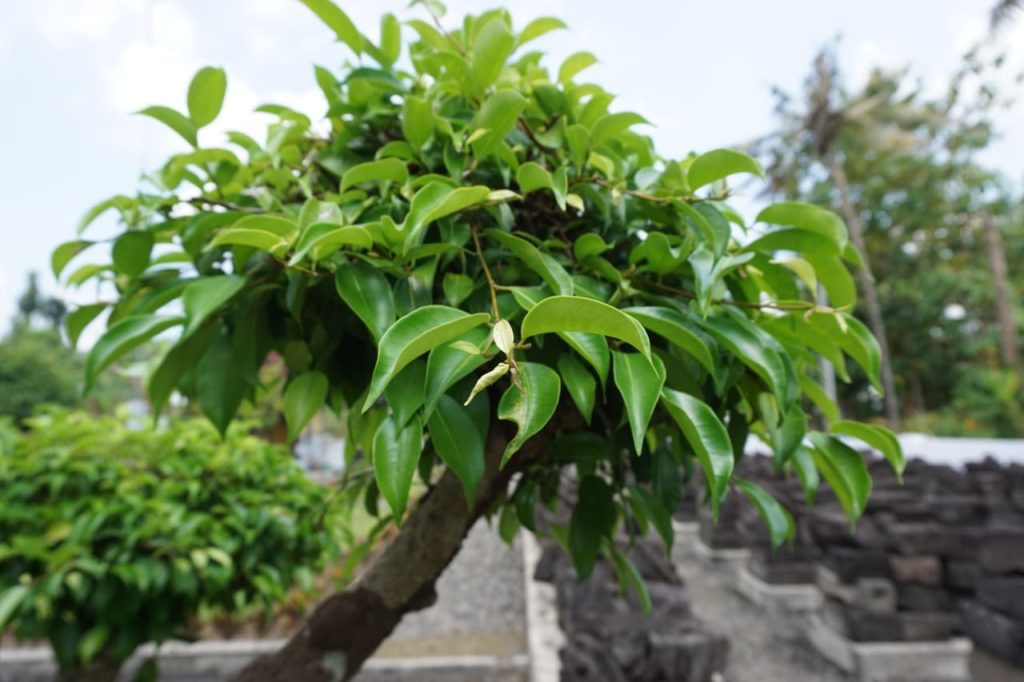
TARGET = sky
(73,71)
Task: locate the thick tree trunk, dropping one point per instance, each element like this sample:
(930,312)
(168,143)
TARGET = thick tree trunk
(346,628)
(1008,343)
(866,280)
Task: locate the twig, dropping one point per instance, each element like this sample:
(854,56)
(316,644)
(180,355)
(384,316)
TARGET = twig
(491,285)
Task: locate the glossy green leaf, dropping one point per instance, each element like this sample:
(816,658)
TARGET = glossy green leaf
(390,38)
(639,382)
(320,240)
(181,358)
(807,217)
(588,245)
(677,329)
(206,95)
(219,383)
(63,254)
(175,120)
(780,522)
(204,296)
(845,471)
(580,384)
(593,520)
(493,46)
(259,239)
(878,437)
(457,287)
(406,393)
(446,365)
(366,291)
(120,338)
(803,464)
(758,351)
(577,314)
(417,120)
(530,407)
(573,64)
(435,201)
(337,21)
(630,578)
(611,125)
(79,318)
(546,267)
(497,117)
(458,443)
(413,335)
(391,170)
(707,436)
(539,27)
(11,600)
(131,252)
(718,164)
(396,451)
(303,398)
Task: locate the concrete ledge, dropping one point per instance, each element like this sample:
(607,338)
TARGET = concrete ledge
(216,661)
(797,599)
(733,558)
(941,661)
(543,634)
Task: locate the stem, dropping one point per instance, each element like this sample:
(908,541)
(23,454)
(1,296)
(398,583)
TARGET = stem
(491,285)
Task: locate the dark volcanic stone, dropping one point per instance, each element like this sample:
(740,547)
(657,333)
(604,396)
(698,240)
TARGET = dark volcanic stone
(1002,552)
(1004,594)
(921,569)
(994,632)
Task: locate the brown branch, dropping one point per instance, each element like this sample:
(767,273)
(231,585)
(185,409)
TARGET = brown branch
(491,284)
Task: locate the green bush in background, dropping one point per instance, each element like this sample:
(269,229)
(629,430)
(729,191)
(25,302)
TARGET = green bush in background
(112,537)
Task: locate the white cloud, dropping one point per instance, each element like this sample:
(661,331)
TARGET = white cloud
(61,21)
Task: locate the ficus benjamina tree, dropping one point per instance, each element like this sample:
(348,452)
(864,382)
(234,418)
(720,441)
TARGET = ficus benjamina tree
(498,280)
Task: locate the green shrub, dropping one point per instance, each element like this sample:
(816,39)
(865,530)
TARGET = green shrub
(112,537)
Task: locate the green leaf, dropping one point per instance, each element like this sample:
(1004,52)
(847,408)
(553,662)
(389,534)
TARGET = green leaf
(120,338)
(92,642)
(493,46)
(10,600)
(856,340)
(204,296)
(677,329)
(435,201)
(303,398)
(720,163)
(758,351)
(780,522)
(182,357)
(593,520)
(78,319)
(539,27)
(589,244)
(366,291)
(458,443)
(391,169)
(817,395)
(457,287)
(323,239)
(390,38)
(175,120)
(206,95)
(845,471)
(580,383)
(878,437)
(396,451)
(220,384)
(148,671)
(417,120)
(405,394)
(573,64)
(803,463)
(578,314)
(546,267)
(497,116)
(532,176)
(272,234)
(446,365)
(63,254)
(530,407)
(131,252)
(611,125)
(707,436)
(629,577)
(338,22)
(639,382)
(835,278)
(807,217)
(786,437)
(413,335)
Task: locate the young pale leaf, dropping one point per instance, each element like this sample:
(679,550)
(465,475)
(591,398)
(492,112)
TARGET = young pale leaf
(175,120)
(458,443)
(487,379)
(120,338)
(780,522)
(573,64)
(417,121)
(337,21)
(546,267)
(807,217)
(539,27)
(206,95)
(877,437)
(679,330)
(447,364)
(202,297)
(845,471)
(639,382)
(718,164)
(413,335)
(303,397)
(580,384)
(593,520)
(493,46)
(396,451)
(131,252)
(610,125)
(530,407)
(391,169)
(63,254)
(366,291)
(504,337)
(707,436)
(577,314)
(390,38)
